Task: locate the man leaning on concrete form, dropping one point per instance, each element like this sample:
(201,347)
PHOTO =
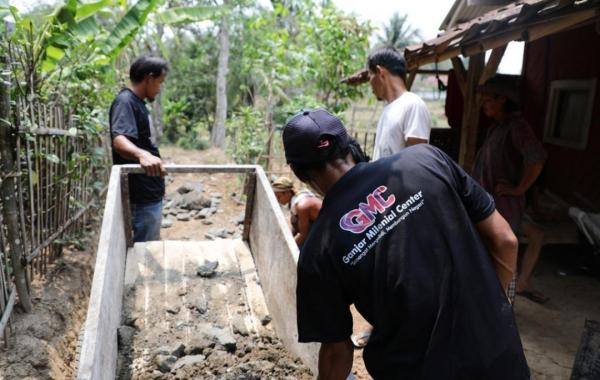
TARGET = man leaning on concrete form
(405,120)
(133,142)
(417,246)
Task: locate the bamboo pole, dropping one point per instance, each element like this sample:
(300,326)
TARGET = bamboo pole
(7,189)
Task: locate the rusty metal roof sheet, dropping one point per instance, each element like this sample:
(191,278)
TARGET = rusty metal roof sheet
(522,20)
(461,12)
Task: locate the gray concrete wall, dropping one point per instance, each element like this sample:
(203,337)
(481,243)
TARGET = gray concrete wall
(98,355)
(276,256)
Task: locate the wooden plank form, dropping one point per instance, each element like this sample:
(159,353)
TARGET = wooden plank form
(273,249)
(276,256)
(98,358)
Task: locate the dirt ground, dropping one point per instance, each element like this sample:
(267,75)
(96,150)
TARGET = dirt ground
(551,333)
(42,345)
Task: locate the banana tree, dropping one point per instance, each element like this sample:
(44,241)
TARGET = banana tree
(47,41)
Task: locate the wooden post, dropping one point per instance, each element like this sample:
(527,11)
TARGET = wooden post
(461,76)
(492,65)
(411,78)
(470,124)
(8,191)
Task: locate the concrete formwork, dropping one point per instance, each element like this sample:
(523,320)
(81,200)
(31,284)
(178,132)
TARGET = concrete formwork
(98,355)
(273,249)
(276,256)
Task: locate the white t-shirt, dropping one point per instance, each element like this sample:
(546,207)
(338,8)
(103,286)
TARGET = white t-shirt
(405,117)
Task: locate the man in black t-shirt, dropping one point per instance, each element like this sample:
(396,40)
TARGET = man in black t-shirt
(133,143)
(417,246)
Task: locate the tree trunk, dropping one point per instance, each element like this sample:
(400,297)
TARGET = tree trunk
(8,192)
(157,117)
(218,130)
(157,110)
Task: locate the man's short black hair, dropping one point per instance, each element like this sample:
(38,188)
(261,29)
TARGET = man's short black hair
(389,58)
(146,65)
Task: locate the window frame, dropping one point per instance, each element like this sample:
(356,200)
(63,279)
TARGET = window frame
(556,87)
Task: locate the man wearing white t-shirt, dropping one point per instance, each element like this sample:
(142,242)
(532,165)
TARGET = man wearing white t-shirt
(405,120)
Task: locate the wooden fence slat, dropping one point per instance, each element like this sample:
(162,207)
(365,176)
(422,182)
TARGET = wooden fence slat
(50,202)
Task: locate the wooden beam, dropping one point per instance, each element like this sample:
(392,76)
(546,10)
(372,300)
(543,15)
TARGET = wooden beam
(432,72)
(461,75)
(411,78)
(470,124)
(207,169)
(492,65)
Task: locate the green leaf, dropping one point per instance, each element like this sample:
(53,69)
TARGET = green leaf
(86,29)
(54,53)
(128,26)
(182,15)
(66,13)
(4,9)
(90,9)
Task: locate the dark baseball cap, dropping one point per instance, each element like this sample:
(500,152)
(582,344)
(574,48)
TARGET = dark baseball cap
(308,134)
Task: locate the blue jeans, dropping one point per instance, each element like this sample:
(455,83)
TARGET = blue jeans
(146,220)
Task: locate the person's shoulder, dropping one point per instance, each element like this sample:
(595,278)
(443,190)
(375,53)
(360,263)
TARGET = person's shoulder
(420,150)
(419,154)
(124,96)
(411,98)
(308,203)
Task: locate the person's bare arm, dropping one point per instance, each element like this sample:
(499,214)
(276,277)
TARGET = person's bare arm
(503,246)
(335,360)
(307,210)
(414,141)
(151,164)
(530,173)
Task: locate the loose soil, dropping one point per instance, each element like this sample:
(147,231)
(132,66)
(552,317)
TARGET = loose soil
(190,314)
(229,186)
(43,343)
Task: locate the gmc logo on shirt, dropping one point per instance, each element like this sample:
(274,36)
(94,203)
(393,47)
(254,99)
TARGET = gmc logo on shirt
(358,220)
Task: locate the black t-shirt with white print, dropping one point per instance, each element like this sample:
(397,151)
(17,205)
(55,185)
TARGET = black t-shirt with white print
(397,238)
(129,117)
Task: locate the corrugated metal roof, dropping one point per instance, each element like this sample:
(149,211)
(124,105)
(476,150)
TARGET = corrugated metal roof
(522,20)
(462,12)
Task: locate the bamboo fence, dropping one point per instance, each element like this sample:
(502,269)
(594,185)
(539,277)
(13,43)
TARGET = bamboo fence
(59,175)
